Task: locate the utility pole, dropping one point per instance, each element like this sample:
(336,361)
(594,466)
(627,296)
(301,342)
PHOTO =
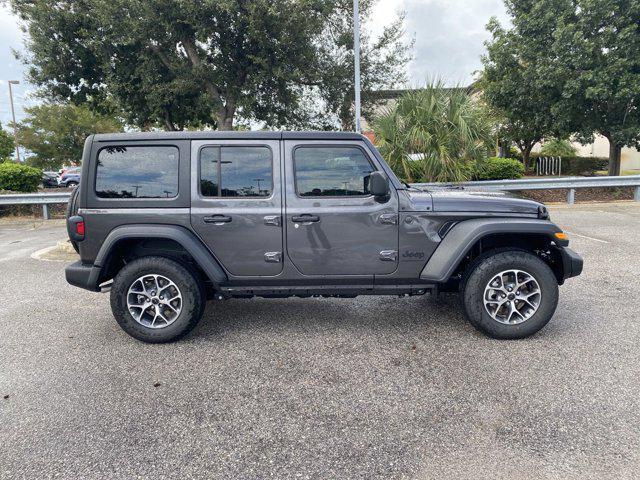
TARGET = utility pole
(356,55)
(13,114)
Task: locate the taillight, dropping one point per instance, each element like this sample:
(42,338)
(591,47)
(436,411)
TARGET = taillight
(76,228)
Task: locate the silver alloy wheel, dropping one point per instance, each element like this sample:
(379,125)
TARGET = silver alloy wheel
(512,297)
(154,301)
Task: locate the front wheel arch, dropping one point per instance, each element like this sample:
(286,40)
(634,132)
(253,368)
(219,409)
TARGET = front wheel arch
(470,238)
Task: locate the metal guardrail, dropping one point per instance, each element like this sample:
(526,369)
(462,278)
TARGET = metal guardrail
(571,184)
(568,183)
(44,199)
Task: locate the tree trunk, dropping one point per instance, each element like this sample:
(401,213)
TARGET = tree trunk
(168,124)
(224,121)
(526,157)
(615,153)
(504,147)
(224,118)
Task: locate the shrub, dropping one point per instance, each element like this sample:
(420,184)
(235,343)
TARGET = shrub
(586,166)
(556,147)
(572,165)
(496,168)
(19,178)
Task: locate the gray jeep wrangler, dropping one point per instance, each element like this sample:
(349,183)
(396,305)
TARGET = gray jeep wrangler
(166,221)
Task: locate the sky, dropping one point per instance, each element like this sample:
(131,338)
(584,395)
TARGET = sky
(448,35)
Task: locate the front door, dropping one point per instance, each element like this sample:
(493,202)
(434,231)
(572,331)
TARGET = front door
(236,203)
(333,225)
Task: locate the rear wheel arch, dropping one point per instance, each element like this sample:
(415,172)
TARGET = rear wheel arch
(131,242)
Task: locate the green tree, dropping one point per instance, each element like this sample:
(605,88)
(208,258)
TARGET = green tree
(177,63)
(510,87)
(557,147)
(599,44)
(584,54)
(55,133)
(6,144)
(434,134)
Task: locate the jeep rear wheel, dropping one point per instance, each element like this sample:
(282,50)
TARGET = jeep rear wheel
(509,294)
(156,299)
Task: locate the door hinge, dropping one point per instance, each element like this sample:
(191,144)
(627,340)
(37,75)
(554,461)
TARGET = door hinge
(272,220)
(389,255)
(389,218)
(273,257)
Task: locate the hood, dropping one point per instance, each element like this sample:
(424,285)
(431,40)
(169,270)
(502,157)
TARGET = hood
(453,200)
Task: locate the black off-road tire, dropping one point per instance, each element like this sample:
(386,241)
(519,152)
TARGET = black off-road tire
(72,210)
(484,269)
(193,298)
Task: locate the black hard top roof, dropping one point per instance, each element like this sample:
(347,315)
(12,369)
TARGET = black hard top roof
(214,134)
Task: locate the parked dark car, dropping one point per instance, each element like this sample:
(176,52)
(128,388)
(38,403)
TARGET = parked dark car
(167,220)
(50,180)
(70,178)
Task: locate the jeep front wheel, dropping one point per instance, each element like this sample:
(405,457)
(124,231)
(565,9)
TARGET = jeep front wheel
(156,300)
(509,294)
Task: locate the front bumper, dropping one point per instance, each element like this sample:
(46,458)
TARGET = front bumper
(82,275)
(572,263)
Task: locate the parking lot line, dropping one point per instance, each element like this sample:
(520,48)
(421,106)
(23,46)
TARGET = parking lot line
(584,236)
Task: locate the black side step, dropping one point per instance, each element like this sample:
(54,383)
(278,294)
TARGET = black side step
(348,291)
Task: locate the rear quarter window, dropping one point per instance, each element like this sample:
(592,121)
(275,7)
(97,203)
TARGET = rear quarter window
(137,172)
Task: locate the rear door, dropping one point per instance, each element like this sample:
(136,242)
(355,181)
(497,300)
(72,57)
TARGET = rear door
(236,205)
(333,225)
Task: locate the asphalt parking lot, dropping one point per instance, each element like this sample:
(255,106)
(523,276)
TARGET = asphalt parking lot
(324,388)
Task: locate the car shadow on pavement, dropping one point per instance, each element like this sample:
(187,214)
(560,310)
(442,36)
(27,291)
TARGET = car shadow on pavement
(368,315)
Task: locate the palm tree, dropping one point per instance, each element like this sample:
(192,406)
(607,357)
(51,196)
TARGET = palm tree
(434,134)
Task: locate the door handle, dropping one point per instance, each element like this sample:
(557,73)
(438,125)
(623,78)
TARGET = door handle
(305,218)
(217,219)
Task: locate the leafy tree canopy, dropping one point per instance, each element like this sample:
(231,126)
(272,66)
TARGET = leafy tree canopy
(584,54)
(55,133)
(6,144)
(521,106)
(186,63)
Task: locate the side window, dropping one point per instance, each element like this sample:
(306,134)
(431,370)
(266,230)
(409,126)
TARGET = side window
(137,172)
(331,171)
(236,172)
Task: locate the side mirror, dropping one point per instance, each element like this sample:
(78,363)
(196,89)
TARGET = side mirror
(379,186)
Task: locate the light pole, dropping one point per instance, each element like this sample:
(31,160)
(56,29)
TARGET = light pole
(258,180)
(13,114)
(356,55)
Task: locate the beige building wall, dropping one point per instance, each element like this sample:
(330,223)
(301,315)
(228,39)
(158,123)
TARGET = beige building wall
(629,160)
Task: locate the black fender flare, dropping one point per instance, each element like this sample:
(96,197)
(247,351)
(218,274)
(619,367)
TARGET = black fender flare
(192,244)
(459,240)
